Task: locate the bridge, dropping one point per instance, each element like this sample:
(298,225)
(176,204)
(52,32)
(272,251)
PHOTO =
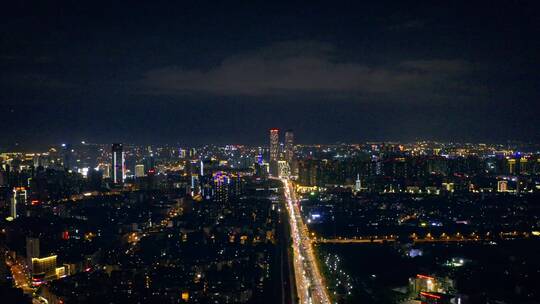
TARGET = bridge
(428,238)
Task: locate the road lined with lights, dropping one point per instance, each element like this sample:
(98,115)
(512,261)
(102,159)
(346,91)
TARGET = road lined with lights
(310,285)
(21,278)
(429,238)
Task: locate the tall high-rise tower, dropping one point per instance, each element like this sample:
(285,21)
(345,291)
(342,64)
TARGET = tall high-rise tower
(289,146)
(67,156)
(118,164)
(20,196)
(274,144)
(274,151)
(358,184)
(32,249)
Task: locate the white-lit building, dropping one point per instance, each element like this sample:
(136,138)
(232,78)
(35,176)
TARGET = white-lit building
(118,164)
(139,170)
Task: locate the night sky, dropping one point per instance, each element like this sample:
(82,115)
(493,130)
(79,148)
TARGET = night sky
(194,72)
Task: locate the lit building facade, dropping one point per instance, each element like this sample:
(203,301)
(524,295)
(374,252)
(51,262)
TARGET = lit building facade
(139,170)
(274,144)
(283,168)
(502,186)
(289,146)
(44,268)
(274,151)
(118,163)
(20,196)
(106,169)
(221,187)
(289,153)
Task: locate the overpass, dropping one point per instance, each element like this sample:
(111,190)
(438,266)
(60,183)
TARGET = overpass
(428,238)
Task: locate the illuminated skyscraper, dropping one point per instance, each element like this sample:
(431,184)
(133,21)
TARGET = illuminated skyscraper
(523,165)
(13,208)
(358,184)
(182,153)
(19,196)
(202,168)
(274,151)
(289,146)
(118,163)
(139,170)
(106,169)
(283,168)
(221,187)
(512,166)
(502,186)
(274,144)
(289,153)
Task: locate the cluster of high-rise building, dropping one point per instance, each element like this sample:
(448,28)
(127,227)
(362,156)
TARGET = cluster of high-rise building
(33,178)
(86,227)
(70,200)
(282,159)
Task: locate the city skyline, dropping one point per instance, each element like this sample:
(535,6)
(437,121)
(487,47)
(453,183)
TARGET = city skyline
(264,152)
(27,148)
(297,216)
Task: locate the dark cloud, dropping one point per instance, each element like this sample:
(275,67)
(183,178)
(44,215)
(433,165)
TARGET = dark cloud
(302,67)
(36,81)
(205,72)
(407,25)
(437,66)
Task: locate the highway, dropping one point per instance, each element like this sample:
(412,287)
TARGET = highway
(310,284)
